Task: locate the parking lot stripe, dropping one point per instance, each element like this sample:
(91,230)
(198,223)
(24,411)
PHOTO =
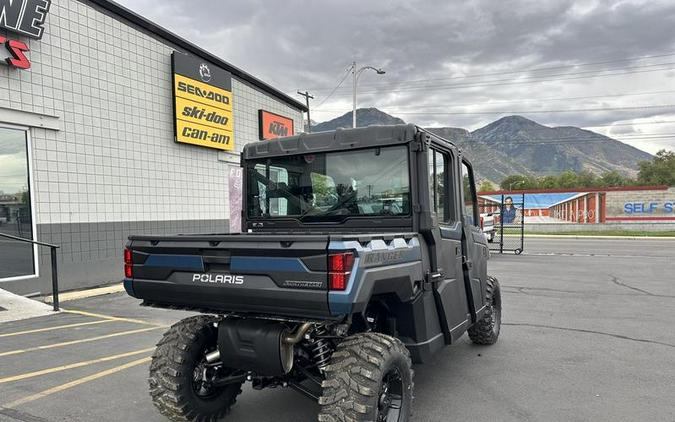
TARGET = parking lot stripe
(108,317)
(76,382)
(72,366)
(69,343)
(58,327)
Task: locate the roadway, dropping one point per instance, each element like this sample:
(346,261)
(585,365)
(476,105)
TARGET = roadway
(587,335)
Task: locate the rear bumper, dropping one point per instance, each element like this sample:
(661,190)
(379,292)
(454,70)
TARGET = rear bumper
(272,300)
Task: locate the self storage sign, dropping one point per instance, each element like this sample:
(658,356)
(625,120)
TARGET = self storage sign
(203,103)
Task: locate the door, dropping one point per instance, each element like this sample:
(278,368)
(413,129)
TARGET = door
(475,247)
(17,259)
(451,290)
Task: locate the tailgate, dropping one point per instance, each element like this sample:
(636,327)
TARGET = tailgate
(281,275)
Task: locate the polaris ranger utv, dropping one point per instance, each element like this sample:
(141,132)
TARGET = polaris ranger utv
(361,253)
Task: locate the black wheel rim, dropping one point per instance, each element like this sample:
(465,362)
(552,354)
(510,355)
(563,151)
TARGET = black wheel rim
(496,315)
(390,404)
(201,379)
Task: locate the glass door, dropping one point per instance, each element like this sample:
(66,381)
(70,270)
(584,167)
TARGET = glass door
(16,258)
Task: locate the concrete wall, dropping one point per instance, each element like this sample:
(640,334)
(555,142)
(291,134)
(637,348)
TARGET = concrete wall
(108,165)
(640,206)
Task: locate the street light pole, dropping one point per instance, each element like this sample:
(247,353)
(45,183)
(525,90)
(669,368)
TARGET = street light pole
(355,79)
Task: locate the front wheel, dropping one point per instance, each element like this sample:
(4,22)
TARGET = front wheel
(369,378)
(486,330)
(180,376)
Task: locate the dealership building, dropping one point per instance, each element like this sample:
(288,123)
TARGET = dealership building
(111,125)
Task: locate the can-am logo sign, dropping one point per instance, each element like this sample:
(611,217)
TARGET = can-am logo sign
(25,17)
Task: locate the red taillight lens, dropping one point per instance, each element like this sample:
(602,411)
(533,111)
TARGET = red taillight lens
(128,264)
(339,268)
(482,223)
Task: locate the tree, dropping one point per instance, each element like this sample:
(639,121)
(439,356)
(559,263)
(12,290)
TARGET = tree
(515,181)
(548,182)
(613,178)
(568,179)
(586,179)
(659,171)
(486,186)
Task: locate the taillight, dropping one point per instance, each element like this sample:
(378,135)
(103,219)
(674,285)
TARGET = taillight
(128,264)
(339,268)
(481,223)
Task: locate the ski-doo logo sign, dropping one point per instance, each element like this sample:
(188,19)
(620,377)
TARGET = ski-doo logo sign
(218,278)
(25,17)
(203,103)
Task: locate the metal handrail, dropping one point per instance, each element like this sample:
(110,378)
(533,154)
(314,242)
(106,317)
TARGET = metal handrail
(55,274)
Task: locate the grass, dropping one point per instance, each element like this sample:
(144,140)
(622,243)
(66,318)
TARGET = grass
(633,233)
(515,231)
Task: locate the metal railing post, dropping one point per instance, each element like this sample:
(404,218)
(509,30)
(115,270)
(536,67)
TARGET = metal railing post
(55,281)
(501,225)
(55,274)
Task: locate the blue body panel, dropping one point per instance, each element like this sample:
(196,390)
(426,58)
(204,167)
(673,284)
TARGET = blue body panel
(341,302)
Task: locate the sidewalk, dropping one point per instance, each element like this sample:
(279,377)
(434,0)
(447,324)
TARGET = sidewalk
(14,307)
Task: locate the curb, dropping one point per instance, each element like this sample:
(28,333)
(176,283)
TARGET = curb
(83,294)
(572,236)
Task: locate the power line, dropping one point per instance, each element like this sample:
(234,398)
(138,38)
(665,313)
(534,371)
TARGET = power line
(525,100)
(334,89)
(501,82)
(470,113)
(520,70)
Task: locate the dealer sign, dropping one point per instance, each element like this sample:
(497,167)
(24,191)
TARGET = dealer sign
(202,102)
(24,17)
(274,125)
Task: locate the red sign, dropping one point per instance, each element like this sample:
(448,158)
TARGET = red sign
(16,50)
(274,125)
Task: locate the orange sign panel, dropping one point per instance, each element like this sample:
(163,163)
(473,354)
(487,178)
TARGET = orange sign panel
(274,125)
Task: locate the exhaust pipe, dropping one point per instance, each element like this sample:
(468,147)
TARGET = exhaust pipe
(265,347)
(299,334)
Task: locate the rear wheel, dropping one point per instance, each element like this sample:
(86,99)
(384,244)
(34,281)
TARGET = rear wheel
(369,379)
(179,373)
(486,330)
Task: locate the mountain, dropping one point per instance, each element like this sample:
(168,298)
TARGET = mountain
(516,145)
(364,117)
(552,150)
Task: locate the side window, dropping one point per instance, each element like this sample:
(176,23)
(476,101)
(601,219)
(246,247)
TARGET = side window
(469,196)
(438,193)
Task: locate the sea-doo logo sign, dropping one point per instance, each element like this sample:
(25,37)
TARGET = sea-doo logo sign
(202,103)
(25,17)
(218,278)
(204,72)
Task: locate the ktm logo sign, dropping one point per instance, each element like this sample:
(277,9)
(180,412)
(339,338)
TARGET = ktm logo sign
(274,125)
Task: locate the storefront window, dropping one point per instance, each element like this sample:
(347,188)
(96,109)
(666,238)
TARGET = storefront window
(16,258)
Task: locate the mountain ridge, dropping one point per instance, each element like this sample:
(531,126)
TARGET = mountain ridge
(518,145)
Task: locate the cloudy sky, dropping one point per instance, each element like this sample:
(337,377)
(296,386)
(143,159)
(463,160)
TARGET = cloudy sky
(608,66)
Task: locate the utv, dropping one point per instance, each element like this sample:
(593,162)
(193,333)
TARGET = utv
(362,252)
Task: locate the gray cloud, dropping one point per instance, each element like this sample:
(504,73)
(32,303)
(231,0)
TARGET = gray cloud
(306,44)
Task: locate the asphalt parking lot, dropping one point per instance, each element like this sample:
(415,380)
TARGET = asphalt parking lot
(588,335)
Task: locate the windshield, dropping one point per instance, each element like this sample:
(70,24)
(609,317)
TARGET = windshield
(328,186)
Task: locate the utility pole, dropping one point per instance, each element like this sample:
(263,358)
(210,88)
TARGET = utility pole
(353,94)
(309,120)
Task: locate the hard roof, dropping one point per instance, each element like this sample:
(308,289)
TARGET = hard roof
(340,139)
(153,28)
